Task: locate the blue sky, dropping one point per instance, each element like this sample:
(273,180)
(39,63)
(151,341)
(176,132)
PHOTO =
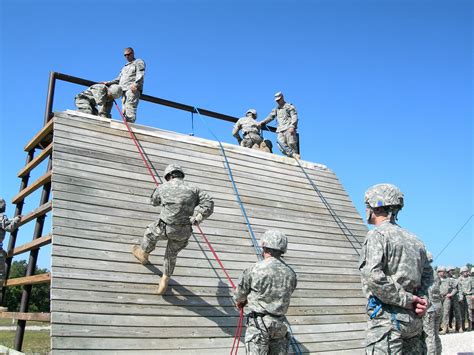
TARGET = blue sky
(383,88)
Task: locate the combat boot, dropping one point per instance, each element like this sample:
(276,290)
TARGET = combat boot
(141,255)
(163,284)
(444,330)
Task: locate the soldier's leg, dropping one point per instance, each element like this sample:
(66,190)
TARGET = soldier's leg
(292,141)
(2,278)
(246,142)
(469,311)
(446,309)
(105,111)
(457,314)
(282,144)
(152,234)
(414,345)
(130,104)
(178,239)
(429,332)
(84,105)
(279,335)
(437,320)
(256,339)
(280,346)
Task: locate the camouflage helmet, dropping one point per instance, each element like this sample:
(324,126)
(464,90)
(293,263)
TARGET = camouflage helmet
(172,168)
(450,268)
(252,111)
(382,195)
(464,269)
(441,268)
(3,205)
(273,239)
(115,91)
(429,256)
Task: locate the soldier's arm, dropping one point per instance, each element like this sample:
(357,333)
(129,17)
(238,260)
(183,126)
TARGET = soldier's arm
(271,116)
(10,225)
(205,205)
(427,279)
(235,131)
(140,72)
(106,109)
(293,117)
(155,198)
(243,287)
(375,280)
(455,288)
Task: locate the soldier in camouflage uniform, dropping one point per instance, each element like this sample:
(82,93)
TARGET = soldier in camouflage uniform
(287,118)
(455,300)
(445,289)
(98,99)
(251,132)
(432,317)
(465,294)
(6,225)
(396,275)
(131,80)
(182,205)
(266,288)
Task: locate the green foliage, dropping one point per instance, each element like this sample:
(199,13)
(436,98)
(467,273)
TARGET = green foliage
(39,298)
(34,342)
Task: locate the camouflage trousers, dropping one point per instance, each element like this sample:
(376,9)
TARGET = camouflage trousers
(254,141)
(177,237)
(394,330)
(431,323)
(453,303)
(466,311)
(129,104)
(288,142)
(2,273)
(267,335)
(83,104)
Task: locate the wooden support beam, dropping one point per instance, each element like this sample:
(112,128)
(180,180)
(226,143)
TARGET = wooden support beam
(36,161)
(35,244)
(29,280)
(40,211)
(38,317)
(43,180)
(38,138)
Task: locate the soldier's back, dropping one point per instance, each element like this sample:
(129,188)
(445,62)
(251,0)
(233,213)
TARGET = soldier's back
(178,200)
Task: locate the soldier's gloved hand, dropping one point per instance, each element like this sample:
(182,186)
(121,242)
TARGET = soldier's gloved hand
(133,87)
(197,219)
(241,305)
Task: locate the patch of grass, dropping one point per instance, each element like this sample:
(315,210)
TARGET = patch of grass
(8,323)
(38,342)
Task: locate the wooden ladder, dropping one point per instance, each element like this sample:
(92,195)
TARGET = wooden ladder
(42,143)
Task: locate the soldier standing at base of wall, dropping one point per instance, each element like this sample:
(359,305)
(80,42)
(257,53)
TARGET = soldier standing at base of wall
(131,80)
(396,275)
(287,118)
(445,289)
(455,300)
(266,288)
(182,205)
(465,295)
(252,137)
(432,317)
(6,225)
(98,99)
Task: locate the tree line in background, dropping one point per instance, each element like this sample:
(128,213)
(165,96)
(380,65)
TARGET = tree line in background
(39,298)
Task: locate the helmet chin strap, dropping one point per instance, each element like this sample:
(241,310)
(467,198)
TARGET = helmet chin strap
(368,216)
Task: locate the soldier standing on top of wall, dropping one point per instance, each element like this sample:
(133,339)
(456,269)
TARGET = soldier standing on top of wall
(131,80)
(98,99)
(182,205)
(250,131)
(465,295)
(6,225)
(287,118)
(396,275)
(432,317)
(266,289)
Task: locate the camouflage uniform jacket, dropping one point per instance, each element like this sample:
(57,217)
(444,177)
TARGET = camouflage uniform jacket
(6,225)
(132,73)
(247,125)
(394,266)
(445,287)
(453,284)
(267,286)
(179,201)
(97,95)
(465,285)
(285,115)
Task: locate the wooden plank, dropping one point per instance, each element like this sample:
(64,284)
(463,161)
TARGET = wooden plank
(38,212)
(40,136)
(35,244)
(38,317)
(43,180)
(36,161)
(29,280)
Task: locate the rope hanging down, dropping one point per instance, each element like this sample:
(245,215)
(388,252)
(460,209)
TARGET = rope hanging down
(333,213)
(238,331)
(294,344)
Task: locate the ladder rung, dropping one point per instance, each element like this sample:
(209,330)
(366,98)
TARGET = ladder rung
(36,161)
(38,317)
(41,210)
(29,280)
(43,180)
(35,244)
(38,138)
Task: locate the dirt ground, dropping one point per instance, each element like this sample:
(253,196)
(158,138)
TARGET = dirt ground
(456,343)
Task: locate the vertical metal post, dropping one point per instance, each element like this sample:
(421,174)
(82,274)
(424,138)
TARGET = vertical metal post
(48,114)
(30,271)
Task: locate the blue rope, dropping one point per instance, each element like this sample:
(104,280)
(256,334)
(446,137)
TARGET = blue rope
(294,344)
(236,191)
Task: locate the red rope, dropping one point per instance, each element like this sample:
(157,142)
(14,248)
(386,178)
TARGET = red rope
(238,331)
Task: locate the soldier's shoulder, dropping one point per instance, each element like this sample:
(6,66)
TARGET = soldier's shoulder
(139,61)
